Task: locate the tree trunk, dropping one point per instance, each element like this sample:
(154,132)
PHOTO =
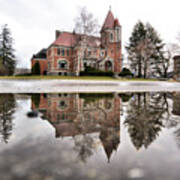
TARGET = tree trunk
(145,70)
(139,69)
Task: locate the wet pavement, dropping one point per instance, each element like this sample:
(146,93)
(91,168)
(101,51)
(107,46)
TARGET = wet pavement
(49,86)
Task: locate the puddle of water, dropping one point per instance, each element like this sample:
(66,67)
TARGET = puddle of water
(90,136)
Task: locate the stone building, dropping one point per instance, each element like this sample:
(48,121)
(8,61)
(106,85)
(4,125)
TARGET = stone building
(70,53)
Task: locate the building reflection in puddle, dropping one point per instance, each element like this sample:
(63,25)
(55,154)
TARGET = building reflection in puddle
(82,114)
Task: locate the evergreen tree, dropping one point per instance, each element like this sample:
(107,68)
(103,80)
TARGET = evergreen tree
(6,50)
(144,49)
(36,69)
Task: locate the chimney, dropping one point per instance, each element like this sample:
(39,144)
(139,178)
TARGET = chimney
(58,33)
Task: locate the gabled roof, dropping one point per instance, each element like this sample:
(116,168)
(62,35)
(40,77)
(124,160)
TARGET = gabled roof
(71,39)
(67,39)
(41,54)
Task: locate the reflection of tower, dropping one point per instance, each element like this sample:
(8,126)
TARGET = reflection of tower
(110,139)
(110,129)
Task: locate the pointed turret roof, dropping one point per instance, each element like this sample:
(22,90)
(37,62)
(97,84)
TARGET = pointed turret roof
(116,22)
(109,142)
(109,21)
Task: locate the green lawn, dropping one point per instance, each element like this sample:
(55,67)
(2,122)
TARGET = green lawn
(104,78)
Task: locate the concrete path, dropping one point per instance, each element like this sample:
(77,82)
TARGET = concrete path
(68,86)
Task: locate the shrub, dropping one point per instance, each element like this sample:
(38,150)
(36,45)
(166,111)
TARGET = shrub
(36,69)
(125,72)
(89,71)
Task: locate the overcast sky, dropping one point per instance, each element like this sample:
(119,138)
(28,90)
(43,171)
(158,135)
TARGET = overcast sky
(33,23)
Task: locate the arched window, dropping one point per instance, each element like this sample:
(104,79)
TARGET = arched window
(108,66)
(62,64)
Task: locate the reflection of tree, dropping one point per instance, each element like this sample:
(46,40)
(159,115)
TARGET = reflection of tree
(86,123)
(84,146)
(145,117)
(7,105)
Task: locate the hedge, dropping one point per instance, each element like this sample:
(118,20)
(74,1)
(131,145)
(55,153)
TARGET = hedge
(89,71)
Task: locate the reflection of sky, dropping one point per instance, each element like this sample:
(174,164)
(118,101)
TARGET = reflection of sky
(34,152)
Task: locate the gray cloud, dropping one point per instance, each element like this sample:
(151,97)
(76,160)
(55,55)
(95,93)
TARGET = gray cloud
(33,22)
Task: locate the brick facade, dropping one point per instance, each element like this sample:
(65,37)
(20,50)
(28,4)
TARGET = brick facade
(70,53)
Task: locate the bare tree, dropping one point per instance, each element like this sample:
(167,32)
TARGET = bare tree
(85,23)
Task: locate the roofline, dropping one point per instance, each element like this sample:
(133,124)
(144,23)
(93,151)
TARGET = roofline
(38,59)
(80,34)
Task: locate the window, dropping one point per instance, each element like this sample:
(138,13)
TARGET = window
(67,52)
(62,64)
(62,52)
(58,51)
(102,53)
(118,35)
(111,36)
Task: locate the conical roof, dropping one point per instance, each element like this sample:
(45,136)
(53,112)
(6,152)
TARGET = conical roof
(109,21)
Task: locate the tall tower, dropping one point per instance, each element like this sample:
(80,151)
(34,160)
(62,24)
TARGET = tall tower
(111,40)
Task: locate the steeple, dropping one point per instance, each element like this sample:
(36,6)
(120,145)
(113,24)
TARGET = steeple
(110,142)
(109,21)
